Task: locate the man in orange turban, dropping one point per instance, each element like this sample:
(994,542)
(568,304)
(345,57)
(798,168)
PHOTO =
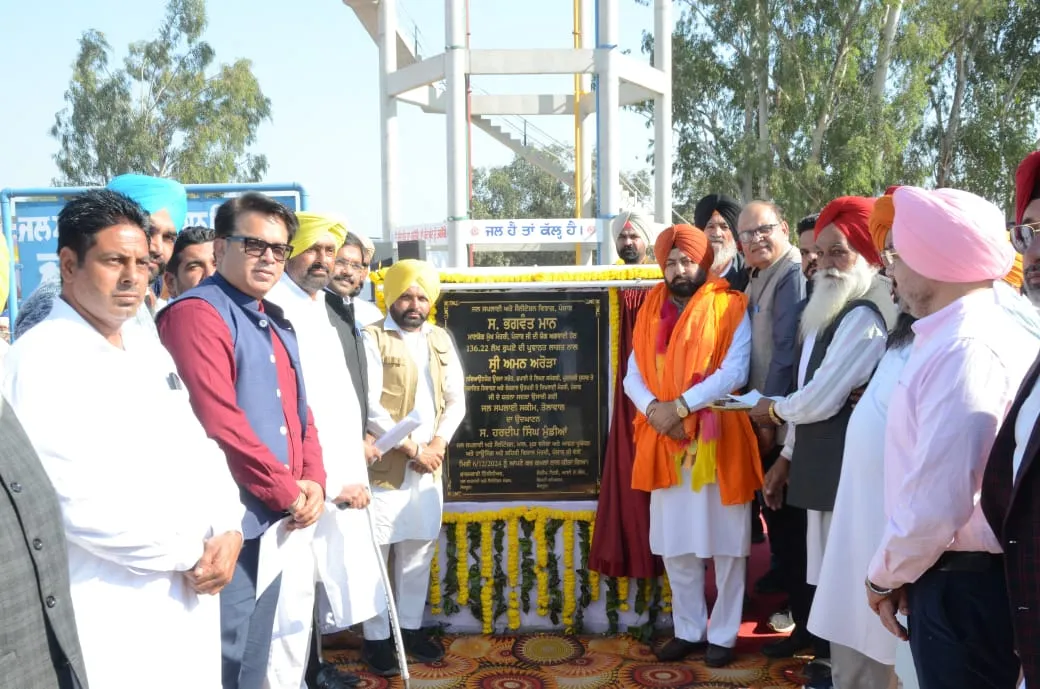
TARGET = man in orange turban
(691,347)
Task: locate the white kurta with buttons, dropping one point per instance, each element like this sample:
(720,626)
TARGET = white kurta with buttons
(413,511)
(140,487)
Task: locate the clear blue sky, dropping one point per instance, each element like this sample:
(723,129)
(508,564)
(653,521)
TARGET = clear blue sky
(319,68)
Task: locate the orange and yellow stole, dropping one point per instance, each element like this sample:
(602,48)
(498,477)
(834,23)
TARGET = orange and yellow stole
(675,351)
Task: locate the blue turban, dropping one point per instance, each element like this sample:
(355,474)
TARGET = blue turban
(155,194)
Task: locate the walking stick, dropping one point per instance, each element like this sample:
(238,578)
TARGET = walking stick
(395,624)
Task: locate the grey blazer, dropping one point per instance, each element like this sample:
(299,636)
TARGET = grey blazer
(39,647)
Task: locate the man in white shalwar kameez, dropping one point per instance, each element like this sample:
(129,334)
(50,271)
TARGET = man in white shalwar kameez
(413,370)
(153,528)
(354,592)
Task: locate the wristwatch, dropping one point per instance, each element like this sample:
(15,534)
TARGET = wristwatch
(878,591)
(681,410)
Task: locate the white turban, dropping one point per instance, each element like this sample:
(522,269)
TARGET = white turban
(642,224)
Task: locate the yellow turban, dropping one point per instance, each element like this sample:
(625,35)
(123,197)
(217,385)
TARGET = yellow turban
(313,227)
(5,272)
(403,274)
(1014,278)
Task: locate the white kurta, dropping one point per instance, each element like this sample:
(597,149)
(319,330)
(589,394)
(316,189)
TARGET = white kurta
(684,522)
(413,511)
(838,612)
(140,486)
(355,592)
(365,312)
(850,360)
(352,593)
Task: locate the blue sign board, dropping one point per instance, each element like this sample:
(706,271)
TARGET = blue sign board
(35,231)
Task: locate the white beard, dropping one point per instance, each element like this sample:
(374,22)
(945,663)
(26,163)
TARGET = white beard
(723,257)
(832,290)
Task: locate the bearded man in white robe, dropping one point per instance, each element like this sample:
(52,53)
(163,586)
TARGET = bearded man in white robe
(843,329)
(153,529)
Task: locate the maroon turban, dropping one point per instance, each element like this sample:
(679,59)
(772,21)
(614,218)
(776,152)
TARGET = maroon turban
(687,239)
(1027,184)
(851,215)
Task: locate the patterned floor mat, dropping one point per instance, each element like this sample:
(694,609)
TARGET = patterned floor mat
(557,661)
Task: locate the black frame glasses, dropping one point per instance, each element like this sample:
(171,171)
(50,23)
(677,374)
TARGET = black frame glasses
(755,232)
(258,247)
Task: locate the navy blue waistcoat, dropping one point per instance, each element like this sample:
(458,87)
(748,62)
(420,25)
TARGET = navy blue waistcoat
(256,377)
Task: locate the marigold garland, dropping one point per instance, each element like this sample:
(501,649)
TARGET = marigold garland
(541,563)
(622,592)
(568,575)
(463,562)
(435,580)
(487,574)
(666,594)
(615,332)
(593,574)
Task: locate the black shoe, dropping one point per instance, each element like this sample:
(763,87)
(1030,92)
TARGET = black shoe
(380,657)
(813,675)
(329,677)
(718,656)
(787,648)
(769,584)
(818,674)
(676,649)
(421,647)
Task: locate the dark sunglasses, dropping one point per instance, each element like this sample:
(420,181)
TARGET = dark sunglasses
(1022,236)
(258,247)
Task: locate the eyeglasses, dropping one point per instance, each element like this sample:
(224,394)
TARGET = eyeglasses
(760,231)
(258,247)
(353,265)
(888,257)
(1022,236)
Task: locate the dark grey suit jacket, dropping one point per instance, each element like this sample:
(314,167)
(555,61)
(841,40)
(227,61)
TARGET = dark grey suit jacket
(39,647)
(350,337)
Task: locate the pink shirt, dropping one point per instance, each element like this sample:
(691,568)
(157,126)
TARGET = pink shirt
(965,368)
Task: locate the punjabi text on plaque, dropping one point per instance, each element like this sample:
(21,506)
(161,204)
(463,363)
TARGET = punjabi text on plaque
(536,366)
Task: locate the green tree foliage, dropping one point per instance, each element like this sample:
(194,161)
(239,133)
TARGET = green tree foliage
(167,111)
(802,101)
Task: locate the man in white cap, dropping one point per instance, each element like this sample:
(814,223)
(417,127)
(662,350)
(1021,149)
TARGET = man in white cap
(939,561)
(633,234)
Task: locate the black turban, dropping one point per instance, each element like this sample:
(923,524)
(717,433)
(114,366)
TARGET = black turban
(726,206)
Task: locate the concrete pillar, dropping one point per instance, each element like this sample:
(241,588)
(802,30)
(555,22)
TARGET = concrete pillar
(663,113)
(588,132)
(608,104)
(458,161)
(388,114)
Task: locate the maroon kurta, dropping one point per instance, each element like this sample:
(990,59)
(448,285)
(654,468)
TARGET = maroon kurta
(621,542)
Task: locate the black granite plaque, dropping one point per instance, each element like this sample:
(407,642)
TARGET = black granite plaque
(536,366)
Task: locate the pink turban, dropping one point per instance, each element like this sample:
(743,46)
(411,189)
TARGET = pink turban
(950,235)
(851,215)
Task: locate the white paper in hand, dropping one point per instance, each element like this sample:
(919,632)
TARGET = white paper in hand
(751,398)
(398,433)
